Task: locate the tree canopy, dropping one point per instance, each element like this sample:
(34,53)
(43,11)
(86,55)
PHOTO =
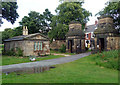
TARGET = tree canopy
(67,12)
(37,22)
(9,33)
(9,11)
(112,9)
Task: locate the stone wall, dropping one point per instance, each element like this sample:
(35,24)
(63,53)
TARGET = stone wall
(28,47)
(113,43)
(75,26)
(105,20)
(13,45)
(57,44)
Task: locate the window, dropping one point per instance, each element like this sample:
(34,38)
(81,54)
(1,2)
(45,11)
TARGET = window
(40,45)
(35,45)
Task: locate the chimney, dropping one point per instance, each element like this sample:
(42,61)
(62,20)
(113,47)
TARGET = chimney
(25,30)
(95,22)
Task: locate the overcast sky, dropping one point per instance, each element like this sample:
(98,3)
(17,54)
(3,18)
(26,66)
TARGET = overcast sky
(25,6)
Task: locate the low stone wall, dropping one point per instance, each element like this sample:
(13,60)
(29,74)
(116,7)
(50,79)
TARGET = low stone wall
(57,44)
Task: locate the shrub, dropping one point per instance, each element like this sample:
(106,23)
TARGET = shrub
(62,49)
(11,52)
(107,59)
(19,52)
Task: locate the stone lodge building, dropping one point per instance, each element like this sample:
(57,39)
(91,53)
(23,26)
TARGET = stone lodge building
(106,36)
(32,44)
(75,38)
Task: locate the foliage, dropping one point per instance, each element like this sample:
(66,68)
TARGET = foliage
(107,59)
(9,33)
(12,52)
(19,52)
(9,52)
(112,9)
(37,22)
(67,12)
(58,32)
(62,49)
(9,11)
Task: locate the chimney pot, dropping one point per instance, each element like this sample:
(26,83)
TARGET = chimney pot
(25,30)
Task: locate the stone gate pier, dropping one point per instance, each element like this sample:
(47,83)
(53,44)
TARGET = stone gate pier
(106,36)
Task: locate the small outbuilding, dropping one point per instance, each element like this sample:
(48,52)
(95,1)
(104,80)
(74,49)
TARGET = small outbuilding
(75,38)
(32,44)
(106,36)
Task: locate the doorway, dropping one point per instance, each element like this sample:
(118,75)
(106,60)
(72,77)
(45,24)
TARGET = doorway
(70,43)
(101,44)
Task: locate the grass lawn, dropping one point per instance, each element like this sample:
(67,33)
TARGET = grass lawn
(83,70)
(1,48)
(7,60)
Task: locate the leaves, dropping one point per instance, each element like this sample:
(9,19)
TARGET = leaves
(67,12)
(112,9)
(9,11)
(37,22)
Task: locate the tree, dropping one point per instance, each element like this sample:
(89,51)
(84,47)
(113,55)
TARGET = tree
(37,22)
(58,32)
(7,33)
(67,12)
(112,9)
(32,21)
(9,11)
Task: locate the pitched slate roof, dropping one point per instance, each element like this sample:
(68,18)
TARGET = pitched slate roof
(90,28)
(25,37)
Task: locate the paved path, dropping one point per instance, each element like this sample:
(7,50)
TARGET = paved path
(49,62)
(60,54)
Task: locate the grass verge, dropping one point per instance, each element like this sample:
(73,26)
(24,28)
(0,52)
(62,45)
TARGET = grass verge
(7,60)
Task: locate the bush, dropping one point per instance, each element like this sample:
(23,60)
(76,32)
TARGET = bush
(11,52)
(107,59)
(19,52)
(62,49)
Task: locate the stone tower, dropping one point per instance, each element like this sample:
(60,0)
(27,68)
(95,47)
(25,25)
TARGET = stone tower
(75,38)
(106,36)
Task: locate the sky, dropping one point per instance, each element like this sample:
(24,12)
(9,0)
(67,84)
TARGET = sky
(25,6)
